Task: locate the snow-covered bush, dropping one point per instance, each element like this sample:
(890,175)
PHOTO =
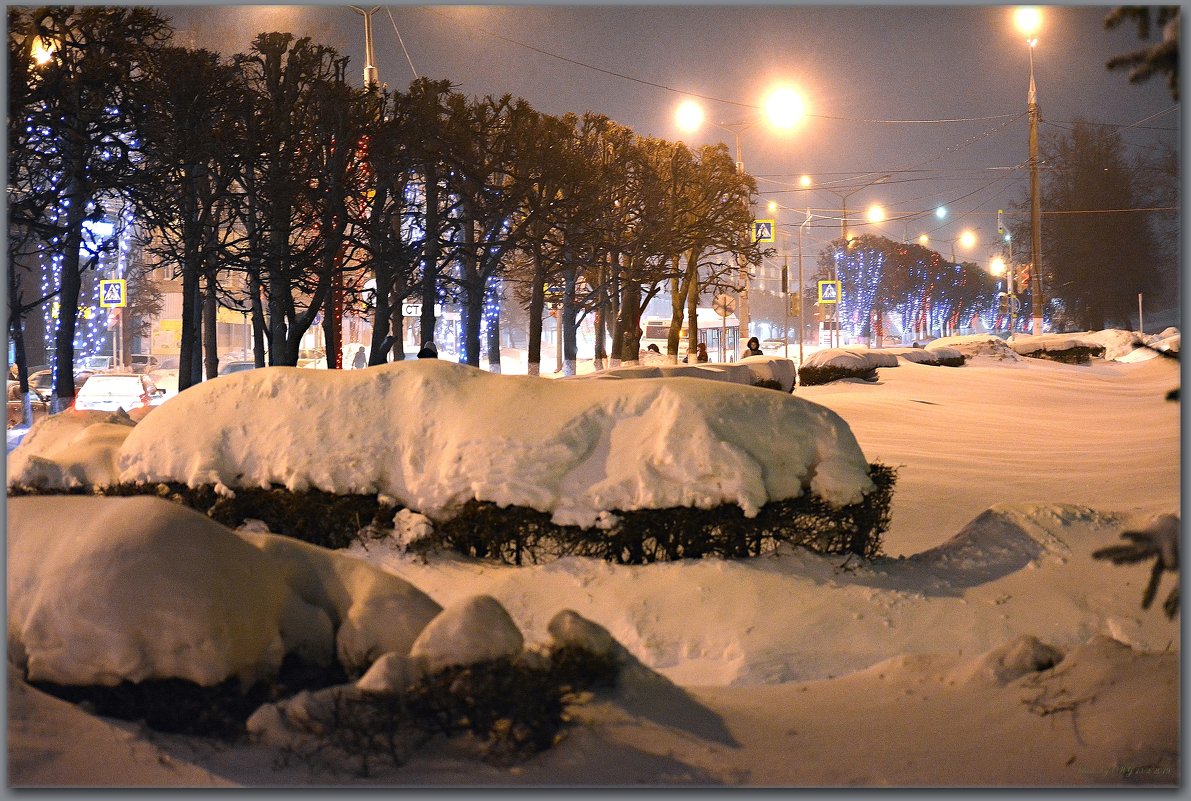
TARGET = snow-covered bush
(107,590)
(1066,348)
(245,446)
(972,345)
(834,364)
(511,700)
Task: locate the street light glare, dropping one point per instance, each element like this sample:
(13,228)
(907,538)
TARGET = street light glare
(967,239)
(804,181)
(1028,20)
(997,266)
(923,240)
(876,214)
(941,212)
(42,51)
(772,206)
(784,108)
(689,116)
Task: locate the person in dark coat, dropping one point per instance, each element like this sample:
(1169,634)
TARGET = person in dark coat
(360,360)
(753,348)
(701,355)
(428,351)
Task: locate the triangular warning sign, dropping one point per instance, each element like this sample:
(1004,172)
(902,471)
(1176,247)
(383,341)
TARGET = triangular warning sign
(829,292)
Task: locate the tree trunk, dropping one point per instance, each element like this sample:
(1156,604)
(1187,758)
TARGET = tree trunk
(692,311)
(568,317)
(211,326)
(537,305)
(629,323)
(492,300)
(430,264)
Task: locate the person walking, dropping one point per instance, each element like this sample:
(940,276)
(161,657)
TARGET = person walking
(360,360)
(428,351)
(753,348)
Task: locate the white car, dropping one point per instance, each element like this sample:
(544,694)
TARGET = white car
(109,392)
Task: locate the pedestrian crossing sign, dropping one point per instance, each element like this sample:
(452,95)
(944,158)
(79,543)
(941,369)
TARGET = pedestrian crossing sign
(829,291)
(112,293)
(763,231)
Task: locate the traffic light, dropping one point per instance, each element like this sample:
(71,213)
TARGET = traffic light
(1003,304)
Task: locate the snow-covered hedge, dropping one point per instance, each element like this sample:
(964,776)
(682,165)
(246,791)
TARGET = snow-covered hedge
(833,364)
(1068,348)
(768,371)
(972,345)
(432,436)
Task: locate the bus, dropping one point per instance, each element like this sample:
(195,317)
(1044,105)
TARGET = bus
(712,329)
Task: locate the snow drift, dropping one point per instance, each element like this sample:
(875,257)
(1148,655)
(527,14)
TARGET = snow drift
(433,435)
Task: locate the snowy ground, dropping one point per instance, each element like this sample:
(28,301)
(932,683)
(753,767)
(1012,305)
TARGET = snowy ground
(794,670)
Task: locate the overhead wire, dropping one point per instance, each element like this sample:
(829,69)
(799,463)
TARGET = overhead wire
(402,41)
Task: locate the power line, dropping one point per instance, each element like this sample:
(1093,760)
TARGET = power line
(711,98)
(402,41)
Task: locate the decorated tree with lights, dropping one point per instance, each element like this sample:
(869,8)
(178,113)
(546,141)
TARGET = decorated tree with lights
(922,291)
(85,104)
(491,152)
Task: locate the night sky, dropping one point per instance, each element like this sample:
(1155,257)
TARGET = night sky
(870,74)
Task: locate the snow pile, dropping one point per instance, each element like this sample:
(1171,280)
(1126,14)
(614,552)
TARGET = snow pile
(1116,342)
(854,359)
(71,449)
(106,590)
(434,435)
(1025,344)
(749,371)
(931,356)
(971,345)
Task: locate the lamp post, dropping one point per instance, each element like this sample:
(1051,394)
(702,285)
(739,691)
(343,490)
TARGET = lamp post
(1029,20)
(783,109)
(369,54)
(801,289)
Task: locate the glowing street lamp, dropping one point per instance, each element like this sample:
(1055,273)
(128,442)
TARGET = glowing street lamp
(783,108)
(875,214)
(43,51)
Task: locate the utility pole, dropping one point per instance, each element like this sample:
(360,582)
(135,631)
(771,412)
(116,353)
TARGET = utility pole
(1035,204)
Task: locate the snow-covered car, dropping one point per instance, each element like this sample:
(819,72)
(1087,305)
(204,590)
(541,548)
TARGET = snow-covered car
(773,346)
(236,367)
(109,392)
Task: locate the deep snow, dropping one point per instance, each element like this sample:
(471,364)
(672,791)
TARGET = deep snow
(920,668)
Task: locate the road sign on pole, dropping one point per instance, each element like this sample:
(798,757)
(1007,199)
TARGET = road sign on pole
(829,291)
(112,293)
(764,230)
(724,305)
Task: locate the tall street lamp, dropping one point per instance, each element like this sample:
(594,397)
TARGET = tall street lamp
(783,109)
(1029,20)
(369,54)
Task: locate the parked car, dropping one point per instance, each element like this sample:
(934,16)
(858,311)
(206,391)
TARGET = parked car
(236,367)
(110,392)
(42,382)
(143,363)
(16,411)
